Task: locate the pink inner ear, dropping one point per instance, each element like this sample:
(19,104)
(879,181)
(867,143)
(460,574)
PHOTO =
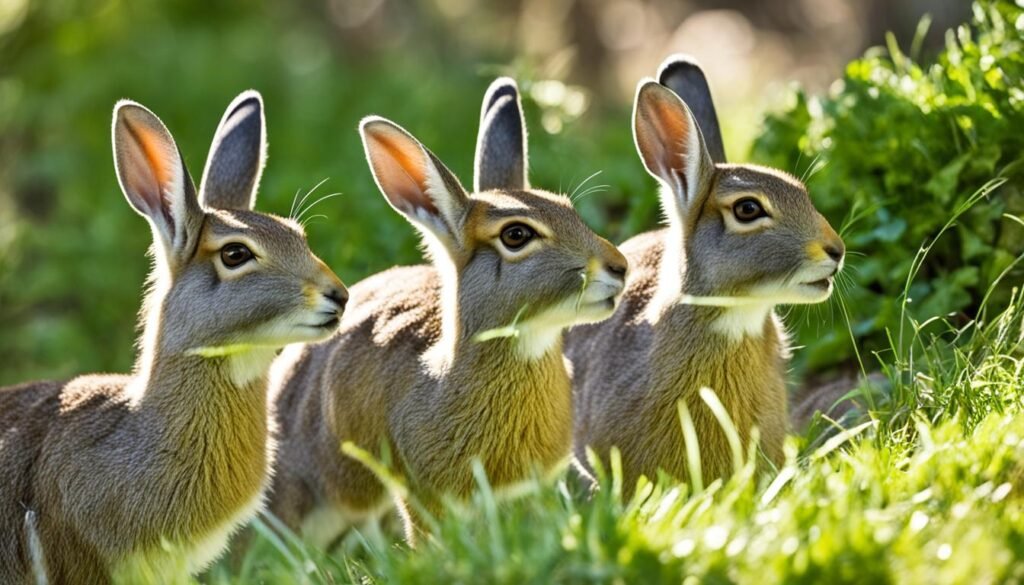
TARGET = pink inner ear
(400,167)
(146,169)
(662,130)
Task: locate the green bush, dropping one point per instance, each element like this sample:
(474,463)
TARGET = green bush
(892,151)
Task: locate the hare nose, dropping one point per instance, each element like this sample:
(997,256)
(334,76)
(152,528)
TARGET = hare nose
(616,268)
(338,296)
(835,252)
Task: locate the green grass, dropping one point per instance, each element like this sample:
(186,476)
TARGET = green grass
(912,494)
(923,485)
(926,490)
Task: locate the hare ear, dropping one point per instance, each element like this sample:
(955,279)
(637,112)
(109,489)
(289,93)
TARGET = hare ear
(237,155)
(501,161)
(414,182)
(154,178)
(670,143)
(683,75)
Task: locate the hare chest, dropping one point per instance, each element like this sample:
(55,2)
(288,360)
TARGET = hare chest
(172,560)
(204,550)
(328,522)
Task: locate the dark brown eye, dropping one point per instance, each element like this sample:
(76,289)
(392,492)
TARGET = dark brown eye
(747,210)
(234,255)
(516,236)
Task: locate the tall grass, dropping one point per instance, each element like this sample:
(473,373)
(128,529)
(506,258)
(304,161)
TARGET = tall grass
(913,494)
(924,486)
(943,509)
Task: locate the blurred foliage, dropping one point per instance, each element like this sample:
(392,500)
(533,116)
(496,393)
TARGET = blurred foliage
(901,144)
(893,150)
(72,253)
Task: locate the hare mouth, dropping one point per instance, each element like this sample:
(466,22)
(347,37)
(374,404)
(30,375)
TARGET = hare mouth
(822,284)
(328,324)
(605,303)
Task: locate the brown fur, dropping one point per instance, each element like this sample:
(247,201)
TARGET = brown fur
(406,373)
(631,371)
(102,470)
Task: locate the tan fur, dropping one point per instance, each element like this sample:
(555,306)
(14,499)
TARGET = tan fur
(407,374)
(662,347)
(102,470)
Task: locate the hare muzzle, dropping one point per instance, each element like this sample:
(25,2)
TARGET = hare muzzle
(605,279)
(825,257)
(327,300)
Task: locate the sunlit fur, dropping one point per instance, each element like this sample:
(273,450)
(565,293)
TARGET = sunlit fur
(408,372)
(101,471)
(697,311)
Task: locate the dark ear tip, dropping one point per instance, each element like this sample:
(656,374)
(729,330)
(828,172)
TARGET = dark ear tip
(249,98)
(499,88)
(501,102)
(679,63)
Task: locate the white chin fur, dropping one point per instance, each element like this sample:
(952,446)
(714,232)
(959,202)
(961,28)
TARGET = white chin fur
(249,359)
(807,294)
(747,318)
(539,334)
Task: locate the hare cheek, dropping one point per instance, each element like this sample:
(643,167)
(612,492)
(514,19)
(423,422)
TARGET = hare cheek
(226,274)
(735,226)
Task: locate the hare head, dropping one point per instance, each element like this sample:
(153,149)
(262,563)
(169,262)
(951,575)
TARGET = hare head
(234,279)
(745,233)
(515,255)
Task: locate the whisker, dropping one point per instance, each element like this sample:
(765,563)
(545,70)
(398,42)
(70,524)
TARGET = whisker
(308,193)
(817,169)
(291,210)
(813,168)
(583,182)
(591,190)
(571,179)
(315,203)
(310,219)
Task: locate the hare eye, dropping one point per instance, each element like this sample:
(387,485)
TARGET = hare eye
(234,255)
(747,210)
(516,236)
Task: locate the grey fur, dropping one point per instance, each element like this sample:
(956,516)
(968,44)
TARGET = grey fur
(237,155)
(631,371)
(408,372)
(111,466)
(501,157)
(683,75)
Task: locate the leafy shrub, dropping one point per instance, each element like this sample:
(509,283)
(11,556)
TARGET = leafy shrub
(945,508)
(893,150)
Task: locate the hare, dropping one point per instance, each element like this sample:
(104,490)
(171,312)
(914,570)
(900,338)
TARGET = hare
(419,367)
(698,308)
(106,475)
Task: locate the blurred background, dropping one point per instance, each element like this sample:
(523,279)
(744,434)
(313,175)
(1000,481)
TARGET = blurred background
(72,253)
